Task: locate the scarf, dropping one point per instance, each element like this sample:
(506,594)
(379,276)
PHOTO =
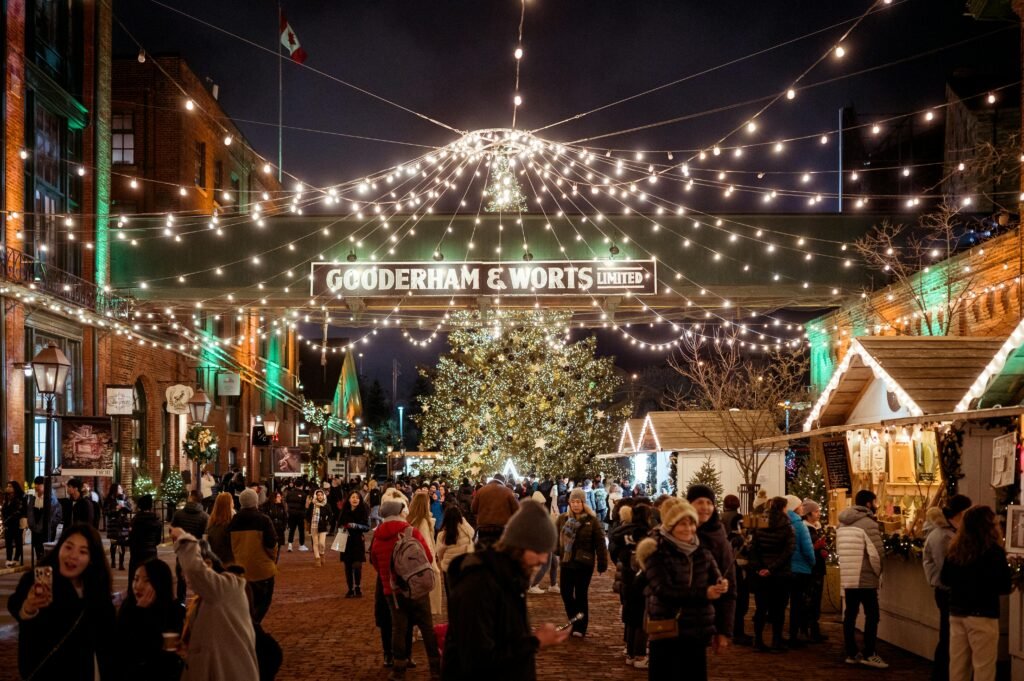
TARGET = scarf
(686,547)
(572,525)
(317,505)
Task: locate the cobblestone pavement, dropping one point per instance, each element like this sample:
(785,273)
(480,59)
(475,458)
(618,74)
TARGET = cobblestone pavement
(326,636)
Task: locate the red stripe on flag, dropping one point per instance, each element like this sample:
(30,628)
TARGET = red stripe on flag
(299,56)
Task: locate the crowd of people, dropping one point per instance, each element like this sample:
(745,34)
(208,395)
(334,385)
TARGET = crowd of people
(686,568)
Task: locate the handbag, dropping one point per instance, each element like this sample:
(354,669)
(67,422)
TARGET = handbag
(340,541)
(660,629)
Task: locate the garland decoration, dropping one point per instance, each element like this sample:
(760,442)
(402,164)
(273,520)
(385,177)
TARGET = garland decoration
(200,443)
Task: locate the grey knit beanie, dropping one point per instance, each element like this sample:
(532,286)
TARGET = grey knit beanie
(248,498)
(391,508)
(530,528)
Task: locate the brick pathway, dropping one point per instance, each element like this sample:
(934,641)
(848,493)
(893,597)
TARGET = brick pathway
(325,635)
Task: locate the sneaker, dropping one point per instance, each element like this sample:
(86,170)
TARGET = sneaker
(553,589)
(630,661)
(535,590)
(289,547)
(874,661)
(640,663)
(578,634)
(856,659)
(303,548)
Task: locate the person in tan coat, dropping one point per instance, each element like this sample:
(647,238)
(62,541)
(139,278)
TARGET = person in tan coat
(493,504)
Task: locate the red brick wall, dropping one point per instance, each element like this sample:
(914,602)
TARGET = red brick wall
(14,120)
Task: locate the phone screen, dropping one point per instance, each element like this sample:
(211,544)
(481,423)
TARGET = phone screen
(44,576)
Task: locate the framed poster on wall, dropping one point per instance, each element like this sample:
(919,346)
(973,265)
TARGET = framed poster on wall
(86,446)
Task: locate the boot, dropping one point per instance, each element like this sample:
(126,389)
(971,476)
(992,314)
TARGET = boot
(359,592)
(388,660)
(398,670)
(759,645)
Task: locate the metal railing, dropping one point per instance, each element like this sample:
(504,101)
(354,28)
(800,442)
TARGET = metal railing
(20,268)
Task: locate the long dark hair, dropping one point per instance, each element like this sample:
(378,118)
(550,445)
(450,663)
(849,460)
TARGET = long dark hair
(159,575)
(450,524)
(96,580)
(777,511)
(978,534)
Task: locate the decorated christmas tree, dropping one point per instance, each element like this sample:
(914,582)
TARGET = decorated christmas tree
(511,390)
(809,483)
(708,475)
(173,489)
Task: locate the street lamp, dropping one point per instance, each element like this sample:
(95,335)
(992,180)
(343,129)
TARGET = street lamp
(270,425)
(199,406)
(50,369)
(314,435)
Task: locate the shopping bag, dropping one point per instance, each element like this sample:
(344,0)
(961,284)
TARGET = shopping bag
(340,541)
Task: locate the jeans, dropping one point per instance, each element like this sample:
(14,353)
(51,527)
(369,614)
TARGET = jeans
(405,614)
(550,566)
(855,598)
(262,594)
(575,591)
(353,575)
(940,667)
(815,590)
(297,521)
(799,591)
(973,646)
(677,658)
(742,600)
(636,641)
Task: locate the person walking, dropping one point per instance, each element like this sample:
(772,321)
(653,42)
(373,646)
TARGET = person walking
(421,519)
(295,499)
(406,611)
(254,548)
(859,545)
(207,488)
(683,581)
(941,525)
(492,506)
(217,527)
(581,546)
(116,517)
(976,573)
(320,518)
(771,553)
(34,508)
(635,524)
(601,503)
(145,535)
(496,642)
(193,519)
(801,565)
(81,510)
(550,568)
(218,640)
(64,622)
(454,539)
(278,514)
(145,617)
(15,517)
(811,513)
(713,537)
(354,521)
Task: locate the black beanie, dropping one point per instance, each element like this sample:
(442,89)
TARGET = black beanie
(700,492)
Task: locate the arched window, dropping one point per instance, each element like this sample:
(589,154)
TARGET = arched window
(139,422)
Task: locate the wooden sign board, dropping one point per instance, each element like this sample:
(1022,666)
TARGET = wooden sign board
(837,464)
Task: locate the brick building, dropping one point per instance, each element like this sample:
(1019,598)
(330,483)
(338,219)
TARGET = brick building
(58,176)
(167,127)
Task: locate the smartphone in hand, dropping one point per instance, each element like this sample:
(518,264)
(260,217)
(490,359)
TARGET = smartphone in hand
(575,618)
(44,578)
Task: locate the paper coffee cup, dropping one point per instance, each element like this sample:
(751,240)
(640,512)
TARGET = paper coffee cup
(171,640)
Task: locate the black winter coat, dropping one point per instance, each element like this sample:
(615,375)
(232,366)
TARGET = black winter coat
(975,588)
(356,523)
(495,642)
(192,519)
(56,644)
(677,584)
(278,514)
(13,511)
(145,536)
(772,548)
(588,547)
(714,538)
(140,642)
(296,501)
(629,576)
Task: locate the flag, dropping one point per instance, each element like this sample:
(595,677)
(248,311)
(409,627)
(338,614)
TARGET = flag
(291,42)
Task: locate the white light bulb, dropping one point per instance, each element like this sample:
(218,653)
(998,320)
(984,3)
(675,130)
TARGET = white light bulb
(716,151)
(517,100)
(875,129)
(81,171)
(23,154)
(929,116)
(991,98)
(790,93)
(751,126)
(518,53)
(228,140)
(840,52)
(189,104)
(824,139)
(854,176)
(266,168)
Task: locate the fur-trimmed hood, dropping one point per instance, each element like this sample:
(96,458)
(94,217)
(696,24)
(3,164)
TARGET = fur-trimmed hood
(644,550)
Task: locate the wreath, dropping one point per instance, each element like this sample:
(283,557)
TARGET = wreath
(200,443)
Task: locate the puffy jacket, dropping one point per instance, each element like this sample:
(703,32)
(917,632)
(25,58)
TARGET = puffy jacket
(494,504)
(446,553)
(601,502)
(588,545)
(714,538)
(772,547)
(494,642)
(677,586)
(937,536)
(859,545)
(975,588)
(146,534)
(383,545)
(13,511)
(192,519)
(253,544)
(296,501)
(278,514)
(802,562)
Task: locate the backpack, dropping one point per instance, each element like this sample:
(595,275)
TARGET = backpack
(411,572)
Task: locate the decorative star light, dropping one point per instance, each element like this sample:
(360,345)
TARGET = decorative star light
(540,443)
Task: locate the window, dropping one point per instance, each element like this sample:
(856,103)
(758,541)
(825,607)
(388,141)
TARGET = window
(47,146)
(218,175)
(123,138)
(139,422)
(200,165)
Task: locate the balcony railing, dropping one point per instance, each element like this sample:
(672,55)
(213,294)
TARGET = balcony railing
(17,267)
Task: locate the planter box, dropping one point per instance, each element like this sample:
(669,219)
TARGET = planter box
(832,592)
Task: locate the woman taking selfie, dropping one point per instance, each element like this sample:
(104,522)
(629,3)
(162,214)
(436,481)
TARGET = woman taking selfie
(65,613)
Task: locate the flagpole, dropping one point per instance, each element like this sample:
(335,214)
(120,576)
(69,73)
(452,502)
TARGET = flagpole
(280,96)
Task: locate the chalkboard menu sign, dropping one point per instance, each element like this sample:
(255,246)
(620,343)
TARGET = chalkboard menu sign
(837,464)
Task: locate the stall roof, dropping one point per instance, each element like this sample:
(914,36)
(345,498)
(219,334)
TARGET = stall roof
(682,430)
(630,434)
(928,375)
(1001,382)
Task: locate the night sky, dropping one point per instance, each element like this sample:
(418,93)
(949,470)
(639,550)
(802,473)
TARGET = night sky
(453,61)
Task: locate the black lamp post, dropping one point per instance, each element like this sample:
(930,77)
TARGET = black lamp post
(199,410)
(50,369)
